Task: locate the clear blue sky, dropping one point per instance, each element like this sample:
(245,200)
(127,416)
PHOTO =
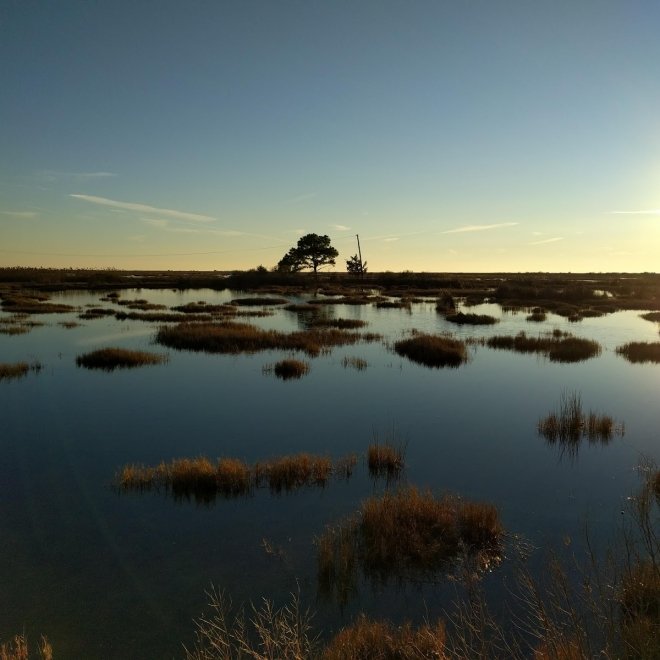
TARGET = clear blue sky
(450,135)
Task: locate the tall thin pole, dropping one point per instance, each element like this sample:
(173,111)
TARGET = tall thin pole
(359,251)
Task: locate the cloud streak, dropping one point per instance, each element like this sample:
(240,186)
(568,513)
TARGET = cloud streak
(548,240)
(20,214)
(468,228)
(144,208)
(340,227)
(643,212)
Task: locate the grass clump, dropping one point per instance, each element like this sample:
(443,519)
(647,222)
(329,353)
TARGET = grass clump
(538,315)
(640,352)
(292,472)
(8,371)
(288,369)
(342,324)
(570,424)
(433,350)
(367,639)
(385,459)
(96,313)
(393,304)
(358,363)
(258,302)
(407,533)
(18,649)
(229,337)
(557,348)
(202,307)
(109,359)
(461,318)
(651,316)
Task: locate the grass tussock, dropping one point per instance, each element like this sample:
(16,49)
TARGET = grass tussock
(640,352)
(651,316)
(109,359)
(433,350)
(15,329)
(570,424)
(141,304)
(96,313)
(162,317)
(357,363)
(229,337)
(367,639)
(394,304)
(18,649)
(385,460)
(202,307)
(9,371)
(560,348)
(69,325)
(407,533)
(538,315)
(461,318)
(288,369)
(303,308)
(292,472)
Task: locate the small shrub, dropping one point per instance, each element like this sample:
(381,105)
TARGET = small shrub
(109,359)
(433,350)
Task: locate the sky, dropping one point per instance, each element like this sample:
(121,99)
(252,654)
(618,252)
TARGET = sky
(451,136)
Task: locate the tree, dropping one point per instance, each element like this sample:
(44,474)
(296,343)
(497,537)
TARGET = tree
(312,251)
(356,266)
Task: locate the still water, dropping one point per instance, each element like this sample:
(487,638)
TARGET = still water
(109,575)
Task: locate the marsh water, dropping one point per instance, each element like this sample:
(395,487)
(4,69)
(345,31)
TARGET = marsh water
(105,574)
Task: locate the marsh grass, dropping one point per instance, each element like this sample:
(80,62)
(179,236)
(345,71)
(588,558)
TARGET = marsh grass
(303,308)
(288,369)
(640,352)
(394,304)
(9,371)
(570,425)
(386,459)
(357,363)
(557,348)
(433,350)
(202,307)
(229,337)
(18,649)
(162,317)
(109,359)
(292,472)
(96,313)
(406,533)
(538,315)
(32,303)
(368,639)
(651,316)
(15,329)
(461,318)
(69,324)
(342,324)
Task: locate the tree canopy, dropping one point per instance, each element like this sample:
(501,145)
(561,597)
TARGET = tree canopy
(312,251)
(356,266)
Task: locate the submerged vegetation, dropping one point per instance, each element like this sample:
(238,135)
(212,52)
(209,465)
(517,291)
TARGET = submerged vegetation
(433,350)
(109,359)
(557,348)
(639,352)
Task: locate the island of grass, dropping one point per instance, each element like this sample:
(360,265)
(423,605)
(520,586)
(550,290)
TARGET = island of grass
(433,350)
(288,369)
(229,337)
(639,352)
(556,347)
(109,359)
(461,318)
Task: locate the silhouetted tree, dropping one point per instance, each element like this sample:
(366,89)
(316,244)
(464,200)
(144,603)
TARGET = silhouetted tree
(355,266)
(312,251)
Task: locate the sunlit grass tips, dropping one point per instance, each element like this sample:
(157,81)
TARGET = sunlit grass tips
(640,352)
(118,358)
(433,350)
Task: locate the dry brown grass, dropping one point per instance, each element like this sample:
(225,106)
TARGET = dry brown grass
(292,472)
(162,317)
(202,307)
(651,316)
(461,318)
(109,359)
(640,352)
(18,649)
(13,370)
(304,308)
(557,348)
(25,302)
(358,363)
(229,337)
(367,639)
(385,459)
(433,350)
(342,324)
(259,302)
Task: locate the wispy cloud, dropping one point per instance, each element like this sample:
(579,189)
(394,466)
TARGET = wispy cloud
(155,222)
(53,175)
(390,239)
(20,214)
(340,227)
(144,208)
(302,198)
(466,228)
(548,240)
(643,212)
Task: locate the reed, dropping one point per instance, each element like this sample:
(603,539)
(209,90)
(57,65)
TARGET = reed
(141,304)
(292,472)
(461,318)
(162,317)
(109,359)
(13,370)
(394,304)
(18,649)
(557,348)
(651,316)
(96,313)
(342,324)
(640,352)
(259,301)
(433,350)
(538,315)
(202,307)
